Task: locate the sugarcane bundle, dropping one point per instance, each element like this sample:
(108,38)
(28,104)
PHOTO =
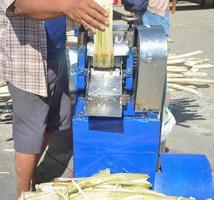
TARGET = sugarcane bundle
(183,73)
(4,93)
(5,102)
(103,41)
(102,186)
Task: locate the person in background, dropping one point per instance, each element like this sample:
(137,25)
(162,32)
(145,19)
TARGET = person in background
(157,13)
(151,12)
(32,62)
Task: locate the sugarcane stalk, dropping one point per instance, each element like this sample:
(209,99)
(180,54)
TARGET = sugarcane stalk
(196,62)
(185,55)
(174,75)
(186,75)
(183,88)
(171,90)
(195,74)
(190,80)
(204,66)
(175,61)
(190,86)
(103,41)
(171,68)
(80,190)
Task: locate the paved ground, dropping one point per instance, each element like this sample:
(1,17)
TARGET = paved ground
(194,132)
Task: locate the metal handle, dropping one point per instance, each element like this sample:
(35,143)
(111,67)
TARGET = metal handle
(130,18)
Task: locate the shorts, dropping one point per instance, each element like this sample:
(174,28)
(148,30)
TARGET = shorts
(34,114)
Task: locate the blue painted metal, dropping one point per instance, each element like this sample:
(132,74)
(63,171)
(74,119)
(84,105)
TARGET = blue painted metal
(82,70)
(185,175)
(119,144)
(128,110)
(129,70)
(80,104)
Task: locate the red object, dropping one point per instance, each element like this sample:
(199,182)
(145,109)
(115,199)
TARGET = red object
(117,2)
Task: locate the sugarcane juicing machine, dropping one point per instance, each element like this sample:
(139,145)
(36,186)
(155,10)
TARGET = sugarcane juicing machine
(118,112)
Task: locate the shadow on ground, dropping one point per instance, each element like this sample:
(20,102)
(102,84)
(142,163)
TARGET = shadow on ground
(185,109)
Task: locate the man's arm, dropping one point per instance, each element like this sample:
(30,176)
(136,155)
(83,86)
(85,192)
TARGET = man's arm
(86,12)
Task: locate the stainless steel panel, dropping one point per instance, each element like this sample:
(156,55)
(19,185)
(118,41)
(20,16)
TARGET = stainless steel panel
(72,56)
(104,91)
(152,60)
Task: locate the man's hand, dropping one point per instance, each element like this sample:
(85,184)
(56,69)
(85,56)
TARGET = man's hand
(88,13)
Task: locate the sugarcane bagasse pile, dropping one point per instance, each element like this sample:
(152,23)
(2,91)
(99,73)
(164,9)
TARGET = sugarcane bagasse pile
(102,186)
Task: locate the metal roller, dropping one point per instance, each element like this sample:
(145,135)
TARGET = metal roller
(151,69)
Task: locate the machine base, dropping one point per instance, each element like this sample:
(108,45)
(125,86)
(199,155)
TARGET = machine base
(116,143)
(131,145)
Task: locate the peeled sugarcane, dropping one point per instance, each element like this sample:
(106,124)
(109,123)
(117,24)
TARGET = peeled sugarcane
(4,93)
(183,88)
(183,73)
(171,90)
(204,66)
(194,81)
(103,41)
(191,86)
(176,61)
(171,68)
(174,75)
(185,55)
(193,62)
(2,83)
(195,74)
(186,74)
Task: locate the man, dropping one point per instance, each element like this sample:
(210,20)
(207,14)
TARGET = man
(151,12)
(38,82)
(157,13)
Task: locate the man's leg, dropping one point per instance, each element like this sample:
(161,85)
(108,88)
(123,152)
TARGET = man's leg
(32,115)
(25,164)
(29,123)
(47,137)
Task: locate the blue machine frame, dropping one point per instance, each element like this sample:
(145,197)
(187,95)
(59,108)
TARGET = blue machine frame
(131,144)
